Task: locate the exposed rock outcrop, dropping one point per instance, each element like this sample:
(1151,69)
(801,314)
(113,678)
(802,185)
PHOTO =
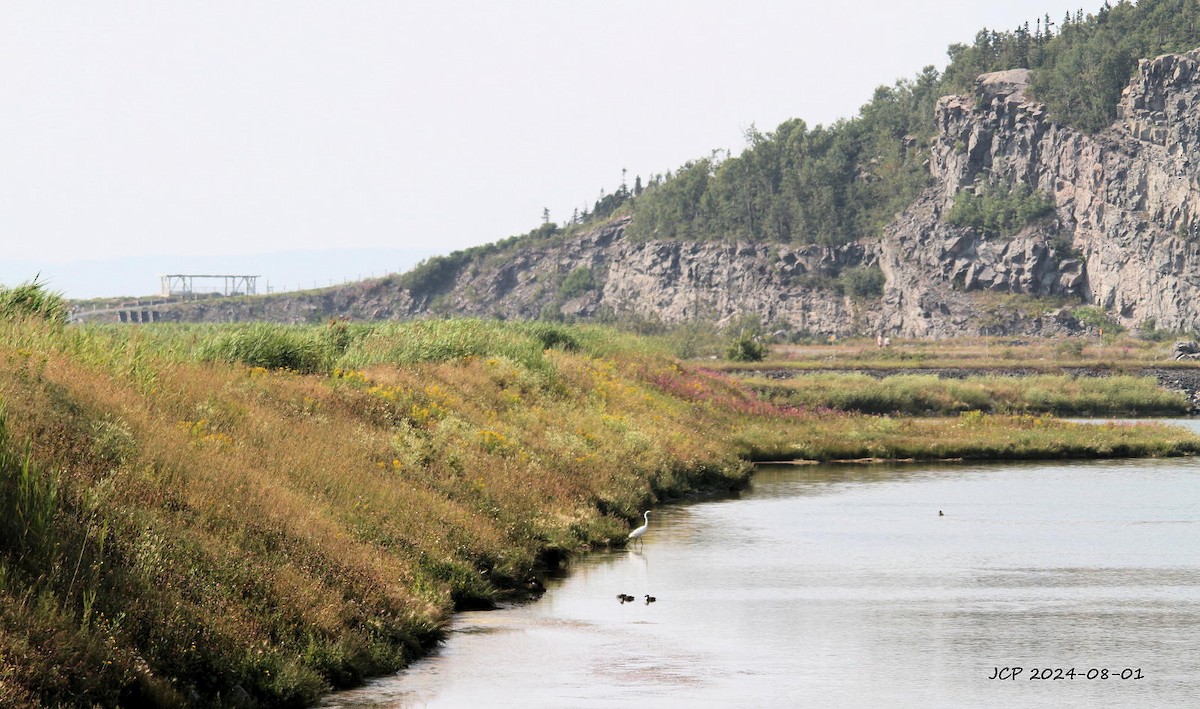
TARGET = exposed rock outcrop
(1186,349)
(672,281)
(1126,201)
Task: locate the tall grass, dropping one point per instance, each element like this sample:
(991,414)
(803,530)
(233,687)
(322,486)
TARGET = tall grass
(33,300)
(925,395)
(973,435)
(56,646)
(269,346)
(28,501)
(1049,355)
(425,341)
(207,512)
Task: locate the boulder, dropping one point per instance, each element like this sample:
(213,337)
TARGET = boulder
(1010,85)
(1186,349)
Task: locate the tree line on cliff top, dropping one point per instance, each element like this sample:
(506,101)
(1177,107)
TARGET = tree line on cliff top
(833,184)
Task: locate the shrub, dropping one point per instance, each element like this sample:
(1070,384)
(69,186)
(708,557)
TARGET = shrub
(552,336)
(269,346)
(862,282)
(999,209)
(578,282)
(435,274)
(1097,318)
(1148,330)
(747,347)
(1070,348)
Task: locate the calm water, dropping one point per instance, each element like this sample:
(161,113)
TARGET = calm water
(843,585)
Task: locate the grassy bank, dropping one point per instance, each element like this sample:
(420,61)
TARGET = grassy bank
(1124,353)
(925,395)
(971,436)
(221,515)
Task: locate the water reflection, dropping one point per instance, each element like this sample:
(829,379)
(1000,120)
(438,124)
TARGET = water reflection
(842,584)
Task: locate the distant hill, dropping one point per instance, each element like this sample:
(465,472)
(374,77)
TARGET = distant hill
(1050,192)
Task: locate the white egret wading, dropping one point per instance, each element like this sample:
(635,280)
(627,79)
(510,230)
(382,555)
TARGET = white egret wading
(640,531)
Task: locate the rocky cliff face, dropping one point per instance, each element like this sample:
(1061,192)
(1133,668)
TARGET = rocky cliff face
(595,273)
(1125,236)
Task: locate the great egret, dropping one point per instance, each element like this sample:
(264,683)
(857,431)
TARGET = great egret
(637,533)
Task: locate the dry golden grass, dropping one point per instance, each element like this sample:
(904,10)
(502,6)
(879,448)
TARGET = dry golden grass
(215,525)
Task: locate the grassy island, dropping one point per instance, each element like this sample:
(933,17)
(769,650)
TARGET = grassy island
(216,515)
(931,395)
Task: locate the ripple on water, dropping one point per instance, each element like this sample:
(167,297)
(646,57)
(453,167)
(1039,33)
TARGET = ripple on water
(850,588)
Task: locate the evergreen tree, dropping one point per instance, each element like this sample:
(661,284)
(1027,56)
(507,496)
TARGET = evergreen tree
(836,183)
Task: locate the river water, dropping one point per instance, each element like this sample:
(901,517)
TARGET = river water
(828,585)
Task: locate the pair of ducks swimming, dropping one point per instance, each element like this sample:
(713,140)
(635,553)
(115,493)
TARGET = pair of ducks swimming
(626,598)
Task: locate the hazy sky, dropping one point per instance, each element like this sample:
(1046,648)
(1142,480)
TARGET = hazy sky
(225,128)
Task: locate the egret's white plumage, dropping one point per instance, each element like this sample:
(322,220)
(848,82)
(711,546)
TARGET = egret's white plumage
(637,533)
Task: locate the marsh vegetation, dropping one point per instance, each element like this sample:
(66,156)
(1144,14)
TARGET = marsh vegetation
(931,395)
(212,514)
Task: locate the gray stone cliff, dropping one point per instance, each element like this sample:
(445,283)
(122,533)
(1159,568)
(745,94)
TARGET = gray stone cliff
(671,281)
(1125,237)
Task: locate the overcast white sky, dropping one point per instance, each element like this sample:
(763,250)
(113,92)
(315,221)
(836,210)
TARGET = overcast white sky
(223,128)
